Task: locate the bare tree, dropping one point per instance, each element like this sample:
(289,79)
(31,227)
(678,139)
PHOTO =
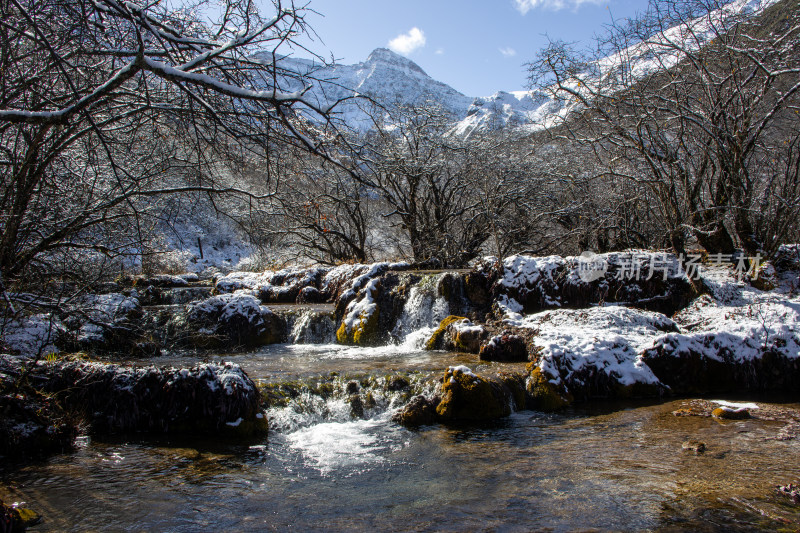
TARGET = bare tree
(419,171)
(105,104)
(326,215)
(686,101)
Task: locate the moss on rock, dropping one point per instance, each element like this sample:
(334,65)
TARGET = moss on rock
(362,334)
(419,411)
(360,324)
(505,347)
(542,393)
(439,337)
(17,519)
(468,396)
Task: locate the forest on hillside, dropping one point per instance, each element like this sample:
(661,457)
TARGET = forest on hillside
(678,130)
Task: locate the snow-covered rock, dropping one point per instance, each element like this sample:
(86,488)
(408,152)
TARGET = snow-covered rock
(117,398)
(107,322)
(735,337)
(359,288)
(596,352)
(235,319)
(637,278)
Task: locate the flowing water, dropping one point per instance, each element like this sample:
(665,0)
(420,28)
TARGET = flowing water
(607,466)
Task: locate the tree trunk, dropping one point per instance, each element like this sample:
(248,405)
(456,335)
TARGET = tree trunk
(716,241)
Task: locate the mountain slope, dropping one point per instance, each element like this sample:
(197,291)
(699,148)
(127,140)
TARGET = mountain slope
(393,80)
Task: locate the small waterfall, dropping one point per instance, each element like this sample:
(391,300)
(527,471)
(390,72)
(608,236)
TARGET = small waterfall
(313,327)
(340,423)
(423,311)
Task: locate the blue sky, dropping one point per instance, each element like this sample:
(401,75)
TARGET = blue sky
(477,46)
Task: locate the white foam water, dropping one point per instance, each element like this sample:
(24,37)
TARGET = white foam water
(422,312)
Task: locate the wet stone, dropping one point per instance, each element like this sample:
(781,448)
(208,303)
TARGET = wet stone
(694,446)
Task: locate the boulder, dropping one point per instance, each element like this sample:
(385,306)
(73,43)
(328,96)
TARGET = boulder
(104,323)
(419,411)
(766,278)
(458,334)
(207,398)
(232,320)
(360,323)
(505,347)
(468,396)
(544,393)
(467,337)
(637,278)
(440,340)
(310,295)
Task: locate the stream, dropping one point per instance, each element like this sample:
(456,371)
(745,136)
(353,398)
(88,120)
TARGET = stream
(606,466)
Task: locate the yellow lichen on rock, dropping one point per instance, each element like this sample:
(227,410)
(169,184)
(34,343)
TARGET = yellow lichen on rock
(362,333)
(766,278)
(726,413)
(468,396)
(544,394)
(23,518)
(434,343)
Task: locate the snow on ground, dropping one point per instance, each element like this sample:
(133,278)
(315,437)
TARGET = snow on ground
(30,336)
(736,321)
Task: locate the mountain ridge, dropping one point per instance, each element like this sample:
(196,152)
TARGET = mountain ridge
(394,80)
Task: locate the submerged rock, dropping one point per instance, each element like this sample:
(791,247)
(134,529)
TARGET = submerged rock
(792,491)
(694,446)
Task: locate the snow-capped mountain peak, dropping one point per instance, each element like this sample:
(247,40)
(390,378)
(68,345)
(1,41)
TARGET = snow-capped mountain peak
(395,80)
(383,57)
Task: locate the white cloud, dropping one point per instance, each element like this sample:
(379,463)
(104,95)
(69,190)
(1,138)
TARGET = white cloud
(508,51)
(439,51)
(523,6)
(405,43)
